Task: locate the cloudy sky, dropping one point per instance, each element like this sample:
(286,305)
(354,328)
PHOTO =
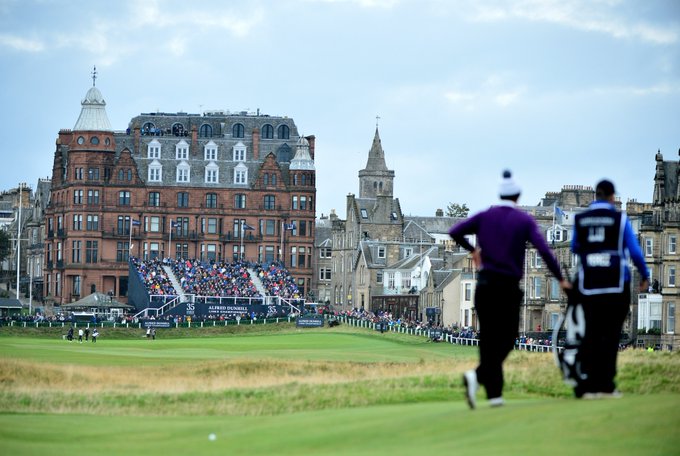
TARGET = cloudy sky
(563,92)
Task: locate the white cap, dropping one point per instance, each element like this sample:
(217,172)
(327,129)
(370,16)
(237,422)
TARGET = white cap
(508,185)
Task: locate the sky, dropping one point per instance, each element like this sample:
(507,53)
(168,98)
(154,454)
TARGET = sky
(563,92)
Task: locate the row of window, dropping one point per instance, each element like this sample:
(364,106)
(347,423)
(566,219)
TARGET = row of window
(53,285)
(93,174)
(153,151)
(94,140)
(671,245)
(298,256)
(206,131)
(88,252)
(298,202)
(180,226)
(211,174)
(81,251)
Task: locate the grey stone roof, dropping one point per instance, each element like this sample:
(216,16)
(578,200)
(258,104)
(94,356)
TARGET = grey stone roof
(374,215)
(302,159)
(323,233)
(197,162)
(414,260)
(444,277)
(93,113)
(10,303)
(95,300)
(376,156)
(431,225)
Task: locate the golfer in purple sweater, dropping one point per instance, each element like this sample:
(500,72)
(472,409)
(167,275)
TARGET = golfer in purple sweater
(502,232)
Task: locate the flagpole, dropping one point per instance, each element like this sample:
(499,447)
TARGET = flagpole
(281,248)
(21,194)
(170,241)
(241,234)
(554,210)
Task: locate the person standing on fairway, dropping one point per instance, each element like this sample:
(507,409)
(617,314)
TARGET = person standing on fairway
(603,240)
(502,232)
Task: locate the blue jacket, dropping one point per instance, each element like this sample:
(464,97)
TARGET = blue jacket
(631,246)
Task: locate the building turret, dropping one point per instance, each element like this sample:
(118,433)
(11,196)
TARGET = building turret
(376,180)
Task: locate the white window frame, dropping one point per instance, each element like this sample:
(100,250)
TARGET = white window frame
(183,172)
(211,225)
(671,276)
(241,174)
(670,318)
(153,150)
(153,224)
(554,289)
(536,287)
(212,174)
(382,252)
(325,274)
(239,152)
(210,151)
(672,244)
(649,247)
(390,280)
(182,150)
(155,172)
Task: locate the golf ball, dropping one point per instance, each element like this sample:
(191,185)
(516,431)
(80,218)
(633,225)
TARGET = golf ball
(212,437)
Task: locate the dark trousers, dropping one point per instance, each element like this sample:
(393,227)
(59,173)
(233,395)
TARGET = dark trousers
(497,303)
(604,316)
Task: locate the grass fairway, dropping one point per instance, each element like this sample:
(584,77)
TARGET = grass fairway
(328,391)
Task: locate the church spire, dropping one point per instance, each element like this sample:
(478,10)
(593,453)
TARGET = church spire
(376,156)
(375,179)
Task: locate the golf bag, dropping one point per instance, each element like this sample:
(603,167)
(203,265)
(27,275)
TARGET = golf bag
(569,359)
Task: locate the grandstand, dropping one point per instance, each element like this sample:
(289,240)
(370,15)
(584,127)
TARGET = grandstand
(190,287)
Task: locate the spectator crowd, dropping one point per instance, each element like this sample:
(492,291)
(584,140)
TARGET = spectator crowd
(215,278)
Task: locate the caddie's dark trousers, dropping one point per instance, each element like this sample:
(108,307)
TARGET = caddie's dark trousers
(604,316)
(497,303)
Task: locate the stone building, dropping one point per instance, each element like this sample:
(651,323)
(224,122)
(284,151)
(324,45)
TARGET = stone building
(659,230)
(383,260)
(15,215)
(369,239)
(212,186)
(322,259)
(35,240)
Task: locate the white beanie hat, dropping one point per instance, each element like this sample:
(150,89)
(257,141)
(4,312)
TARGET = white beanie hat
(508,185)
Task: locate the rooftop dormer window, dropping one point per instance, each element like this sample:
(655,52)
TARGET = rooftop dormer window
(183,172)
(210,151)
(182,150)
(283,132)
(239,152)
(267,131)
(153,150)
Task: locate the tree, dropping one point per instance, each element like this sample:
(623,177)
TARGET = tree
(457,210)
(5,245)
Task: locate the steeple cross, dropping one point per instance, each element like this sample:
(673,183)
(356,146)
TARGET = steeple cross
(377,118)
(94,75)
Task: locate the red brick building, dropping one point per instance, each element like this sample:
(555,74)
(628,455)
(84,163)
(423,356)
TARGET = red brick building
(212,186)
